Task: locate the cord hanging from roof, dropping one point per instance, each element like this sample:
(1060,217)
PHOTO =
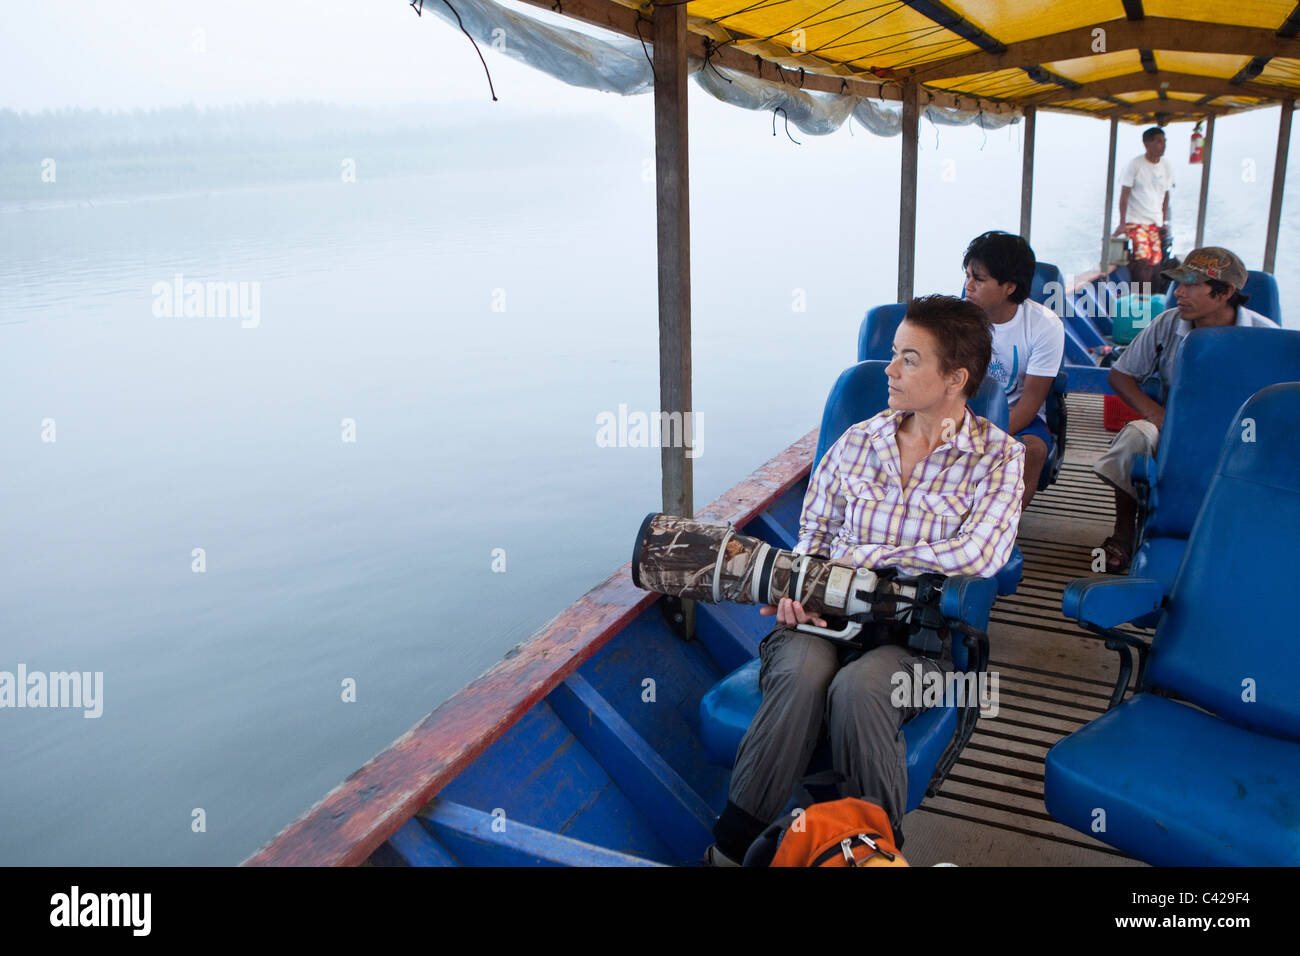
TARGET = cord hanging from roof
(781,110)
(461,24)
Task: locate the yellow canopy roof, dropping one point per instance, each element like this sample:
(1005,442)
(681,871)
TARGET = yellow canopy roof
(1135,59)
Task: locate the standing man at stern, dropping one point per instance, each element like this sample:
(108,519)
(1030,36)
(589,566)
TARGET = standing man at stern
(1144,206)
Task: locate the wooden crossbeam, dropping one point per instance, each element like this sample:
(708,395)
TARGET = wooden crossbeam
(1152,107)
(1177,83)
(1152,33)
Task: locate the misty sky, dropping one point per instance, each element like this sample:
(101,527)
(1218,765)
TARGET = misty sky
(130,54)
(142,54)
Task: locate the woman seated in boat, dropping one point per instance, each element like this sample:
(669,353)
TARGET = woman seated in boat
(925,485)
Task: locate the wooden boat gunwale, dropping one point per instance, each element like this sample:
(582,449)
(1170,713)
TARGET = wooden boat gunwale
(356,817)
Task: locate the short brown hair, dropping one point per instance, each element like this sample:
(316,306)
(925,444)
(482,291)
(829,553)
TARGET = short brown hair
(962,332)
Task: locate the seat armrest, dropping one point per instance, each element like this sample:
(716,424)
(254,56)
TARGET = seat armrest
(1143,474)
(968,598)
(1108,601)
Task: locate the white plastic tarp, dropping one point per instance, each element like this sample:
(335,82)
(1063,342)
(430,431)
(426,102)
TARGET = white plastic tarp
(617,64)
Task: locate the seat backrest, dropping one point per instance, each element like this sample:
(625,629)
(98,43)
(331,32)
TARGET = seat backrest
(1076,353)
(1048,284)
(991,402)
(1262,289)
(859,393)
(876,334)
(862,391)
(1215,372)
(1228,640)
(1088,301)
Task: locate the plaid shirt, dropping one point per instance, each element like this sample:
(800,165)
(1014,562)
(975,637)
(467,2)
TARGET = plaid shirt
(958,515)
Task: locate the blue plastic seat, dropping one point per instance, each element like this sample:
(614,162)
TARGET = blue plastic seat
(1216,370)
(876,333)
(1211,778)
(934,737)
(1048,289)
(1057,429)
(1092,300)
(1049,283)
(1264,298)
(1081,337)
(730,705)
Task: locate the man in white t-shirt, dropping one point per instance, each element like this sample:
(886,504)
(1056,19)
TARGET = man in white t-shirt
(1144,205)
(1028,340)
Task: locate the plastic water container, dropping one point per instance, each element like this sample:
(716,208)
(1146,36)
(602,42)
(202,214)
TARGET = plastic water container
(1133,313)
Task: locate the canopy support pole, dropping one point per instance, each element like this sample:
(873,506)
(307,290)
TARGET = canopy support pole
(1279,181)
(1110,198)
(1027,172)
(1206,152)
(672,197)
(907,192)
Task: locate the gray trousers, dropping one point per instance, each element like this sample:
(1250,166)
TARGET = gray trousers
(804,689)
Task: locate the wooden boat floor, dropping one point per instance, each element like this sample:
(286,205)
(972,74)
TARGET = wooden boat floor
(1053,677)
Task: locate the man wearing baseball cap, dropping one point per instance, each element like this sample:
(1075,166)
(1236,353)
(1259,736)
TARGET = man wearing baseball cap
(1208,295)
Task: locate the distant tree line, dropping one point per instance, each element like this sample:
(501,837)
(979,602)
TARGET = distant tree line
(74,131)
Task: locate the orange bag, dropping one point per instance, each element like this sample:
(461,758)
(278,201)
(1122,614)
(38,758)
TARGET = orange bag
(846,832)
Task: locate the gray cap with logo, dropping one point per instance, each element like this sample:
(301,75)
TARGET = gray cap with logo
(1210,262)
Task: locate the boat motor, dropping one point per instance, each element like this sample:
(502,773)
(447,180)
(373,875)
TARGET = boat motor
(713,563)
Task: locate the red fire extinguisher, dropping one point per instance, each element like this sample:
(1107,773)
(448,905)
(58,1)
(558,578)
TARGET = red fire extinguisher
(1198,145)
